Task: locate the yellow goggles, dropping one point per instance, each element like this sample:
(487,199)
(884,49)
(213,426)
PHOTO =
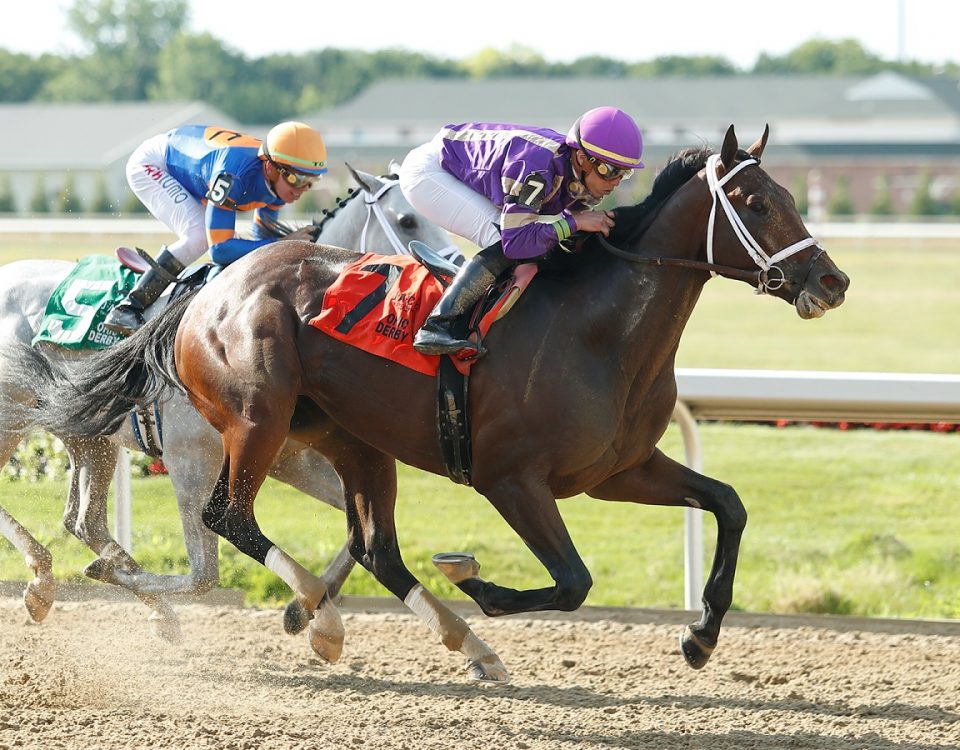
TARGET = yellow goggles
(609,171)
(298,179)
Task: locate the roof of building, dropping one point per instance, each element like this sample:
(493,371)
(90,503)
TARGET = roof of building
(90,136)
(881,112)
(665,108)
(654,98)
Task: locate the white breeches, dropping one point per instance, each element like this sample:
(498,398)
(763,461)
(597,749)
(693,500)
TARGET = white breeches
(446,201)
(167,199)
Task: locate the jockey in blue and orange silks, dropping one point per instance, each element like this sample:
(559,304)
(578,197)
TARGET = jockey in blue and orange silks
(196,178)
(515,191)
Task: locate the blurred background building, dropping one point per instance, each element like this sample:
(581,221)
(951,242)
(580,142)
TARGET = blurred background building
(879,145)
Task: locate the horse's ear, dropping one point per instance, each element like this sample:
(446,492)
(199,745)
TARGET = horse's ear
(757,148)
(728,152)
(360,181)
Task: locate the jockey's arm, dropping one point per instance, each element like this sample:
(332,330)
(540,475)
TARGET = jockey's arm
(225,246)
(530,174)
(526,234)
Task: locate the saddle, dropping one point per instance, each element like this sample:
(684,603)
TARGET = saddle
(380,301)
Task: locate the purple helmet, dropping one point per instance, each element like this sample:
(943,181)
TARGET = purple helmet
(610,135)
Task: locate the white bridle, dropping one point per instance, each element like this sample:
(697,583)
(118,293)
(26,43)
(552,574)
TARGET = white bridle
(764,262)
(371,200)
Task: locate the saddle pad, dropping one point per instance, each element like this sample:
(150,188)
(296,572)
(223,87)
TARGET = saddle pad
(80,303)
(378,304)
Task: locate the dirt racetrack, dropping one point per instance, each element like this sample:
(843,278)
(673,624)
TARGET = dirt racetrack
(92,677)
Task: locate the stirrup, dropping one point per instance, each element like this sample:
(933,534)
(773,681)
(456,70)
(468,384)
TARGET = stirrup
(124,319)
(430,342)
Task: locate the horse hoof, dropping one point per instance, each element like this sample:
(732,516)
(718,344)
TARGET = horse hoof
(99,570)
(166,628)
(488,670)
(326,632)
(457,566)
(694,650)
(295,618)
(38,599)
(327,647)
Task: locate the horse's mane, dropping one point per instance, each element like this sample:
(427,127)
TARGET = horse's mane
(632,221)
(277,228)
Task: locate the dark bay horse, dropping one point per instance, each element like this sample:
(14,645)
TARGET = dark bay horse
(573,397)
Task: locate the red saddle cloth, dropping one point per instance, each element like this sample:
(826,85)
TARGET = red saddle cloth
(378,304)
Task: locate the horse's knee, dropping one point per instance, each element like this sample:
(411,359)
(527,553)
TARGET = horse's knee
(729,509)
(572,591)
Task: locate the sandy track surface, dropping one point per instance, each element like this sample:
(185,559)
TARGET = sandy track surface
(91,676)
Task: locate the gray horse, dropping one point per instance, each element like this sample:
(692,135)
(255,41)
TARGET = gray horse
(376,218)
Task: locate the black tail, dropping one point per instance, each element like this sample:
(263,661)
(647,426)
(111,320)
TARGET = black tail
(93,394)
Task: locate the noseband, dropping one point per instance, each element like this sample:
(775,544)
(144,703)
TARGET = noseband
(769,277)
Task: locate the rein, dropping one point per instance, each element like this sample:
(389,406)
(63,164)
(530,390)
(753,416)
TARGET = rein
(374,210)
(727,271)
(769,276)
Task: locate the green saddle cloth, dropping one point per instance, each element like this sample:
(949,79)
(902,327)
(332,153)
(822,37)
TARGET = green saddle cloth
(80,303)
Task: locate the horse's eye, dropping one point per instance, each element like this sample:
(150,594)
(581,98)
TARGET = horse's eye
(407,221)
(756,204)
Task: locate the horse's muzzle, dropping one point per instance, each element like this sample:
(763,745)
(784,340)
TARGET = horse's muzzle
(824,288)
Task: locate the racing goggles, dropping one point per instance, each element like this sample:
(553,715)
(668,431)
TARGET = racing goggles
(298,179)
(608,171)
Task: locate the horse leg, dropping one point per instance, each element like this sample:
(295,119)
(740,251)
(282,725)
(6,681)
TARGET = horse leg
(39,593)
(531,510)
(312,474)
(202,552)
(249,451)
(192,456)
(663,481)
(370,488)
(92,464)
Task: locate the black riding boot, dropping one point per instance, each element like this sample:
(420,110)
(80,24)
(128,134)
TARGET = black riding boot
(127,317)
(435,336)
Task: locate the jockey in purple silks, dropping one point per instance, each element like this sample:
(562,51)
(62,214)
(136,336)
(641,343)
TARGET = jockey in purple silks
(515,191)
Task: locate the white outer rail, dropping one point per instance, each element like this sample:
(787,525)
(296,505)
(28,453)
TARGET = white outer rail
(740,395)
(796,395)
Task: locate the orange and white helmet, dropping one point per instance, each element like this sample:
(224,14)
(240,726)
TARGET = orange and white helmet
(296,146)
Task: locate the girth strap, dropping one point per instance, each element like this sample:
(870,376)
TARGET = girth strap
(147,428)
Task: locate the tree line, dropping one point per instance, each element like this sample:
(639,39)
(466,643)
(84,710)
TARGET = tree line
(140,50)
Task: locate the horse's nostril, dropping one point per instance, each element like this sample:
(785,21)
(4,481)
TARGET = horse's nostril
(835,283)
